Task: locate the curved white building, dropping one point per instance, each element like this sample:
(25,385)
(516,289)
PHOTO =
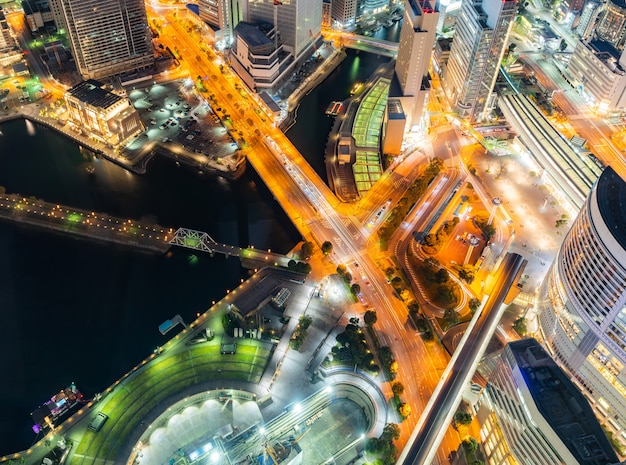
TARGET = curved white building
(583,302)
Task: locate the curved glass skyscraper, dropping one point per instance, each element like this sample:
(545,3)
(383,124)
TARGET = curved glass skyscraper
(583,301)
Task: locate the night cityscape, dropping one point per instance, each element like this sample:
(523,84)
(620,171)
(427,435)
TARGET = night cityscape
(255,232)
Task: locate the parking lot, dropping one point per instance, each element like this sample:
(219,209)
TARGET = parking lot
(183,124)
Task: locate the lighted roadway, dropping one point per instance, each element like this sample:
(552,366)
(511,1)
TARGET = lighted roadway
(441,408)
(311,207)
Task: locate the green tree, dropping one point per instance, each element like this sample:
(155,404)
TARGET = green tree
(474,304)
(451,317)
(470,445)
(341,269)
(520,326)
(461,418)
(466,273)
(391,432)
(327,247)
(305,321)
(370,318)
(414,307)
(442,276)
(397,388)
(355,288)
(404,409)
(306,250)
(396,282)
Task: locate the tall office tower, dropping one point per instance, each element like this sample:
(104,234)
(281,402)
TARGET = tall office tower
(224,15)
(482,32)
(588,19)
(582,302)
(343,13)
(612,26)
(417,39)
(106,38)
(299,22)
(6,40)
(531,413)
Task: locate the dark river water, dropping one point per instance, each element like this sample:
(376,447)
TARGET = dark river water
(83,312)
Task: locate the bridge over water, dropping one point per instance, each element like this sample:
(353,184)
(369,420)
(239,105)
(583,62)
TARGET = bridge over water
(137,234)
(201,241)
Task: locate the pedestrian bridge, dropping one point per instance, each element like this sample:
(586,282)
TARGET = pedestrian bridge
(203,242)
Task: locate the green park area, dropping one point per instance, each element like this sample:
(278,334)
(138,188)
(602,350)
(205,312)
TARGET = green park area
(156,385)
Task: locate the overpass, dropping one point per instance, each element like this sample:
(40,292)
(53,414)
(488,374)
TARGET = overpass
(365,43)
(426,437)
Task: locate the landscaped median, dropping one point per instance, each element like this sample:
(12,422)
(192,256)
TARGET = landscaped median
(152,387)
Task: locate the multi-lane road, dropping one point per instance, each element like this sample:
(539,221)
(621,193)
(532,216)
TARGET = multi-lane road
(425,439)
(314,210)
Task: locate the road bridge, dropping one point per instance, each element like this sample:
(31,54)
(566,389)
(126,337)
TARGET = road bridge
(137,234)
(203,242)
(425,439)
(365,43)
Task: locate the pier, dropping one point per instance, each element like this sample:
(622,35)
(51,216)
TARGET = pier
(144,236)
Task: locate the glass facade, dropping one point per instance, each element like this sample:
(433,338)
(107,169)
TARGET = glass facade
(107,38)
(583,302)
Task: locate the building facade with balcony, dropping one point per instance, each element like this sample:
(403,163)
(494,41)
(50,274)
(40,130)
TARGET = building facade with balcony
(582,302)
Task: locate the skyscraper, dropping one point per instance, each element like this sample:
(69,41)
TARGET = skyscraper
(417,39)
(530,412)
(222,14)
(299,22)
(482,31)
(583,301)
(106,38)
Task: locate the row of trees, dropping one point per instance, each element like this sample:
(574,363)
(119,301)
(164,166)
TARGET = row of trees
(383,447)
(353,346)
(414,193)
(432,243)
(299,335)
(437,283)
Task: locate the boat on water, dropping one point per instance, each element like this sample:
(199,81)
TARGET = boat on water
(90,169)
(334,108)
(356,88)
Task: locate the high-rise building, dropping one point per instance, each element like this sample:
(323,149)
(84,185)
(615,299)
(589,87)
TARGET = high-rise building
(599,70)
(612,26)
(582,302)
(417,38)
(224,15)
(531,413)
(6,39)
(482,31)
(299,22)
(588,19)
(106,38)
(343,14)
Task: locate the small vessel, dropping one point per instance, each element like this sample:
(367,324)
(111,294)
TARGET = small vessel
(334,108)
(90,169)
(356,88)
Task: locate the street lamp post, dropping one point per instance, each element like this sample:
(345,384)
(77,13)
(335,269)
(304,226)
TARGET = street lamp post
(496,201)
